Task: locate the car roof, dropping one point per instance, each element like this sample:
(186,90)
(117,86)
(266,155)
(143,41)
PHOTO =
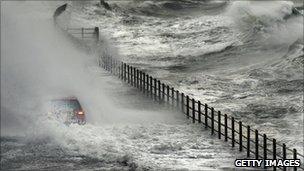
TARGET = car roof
(65,98)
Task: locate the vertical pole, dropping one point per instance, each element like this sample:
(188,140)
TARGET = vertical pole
(172,93)
(163,91)
(206,116)
(132,74)
(284,154)
(241,136)
(226,127)
(274,154)
(193,110)
(140,81)
(199,108)
(121,70)
(96,30)
(248,141)
(144,82)
(264,148)
(168,94)
(232,131)
(183,102)
(155,89)
(177,99)
(256,144)
(295,157)
(151,87)
(187,106)
(82,31)
(111,65)
(128,73)
(159,92)
(212,120)
(106,63)
(137,78)
(125,72)
(219,124)
(148,84)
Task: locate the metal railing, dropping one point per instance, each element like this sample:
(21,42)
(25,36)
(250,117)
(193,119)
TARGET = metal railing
(241,136)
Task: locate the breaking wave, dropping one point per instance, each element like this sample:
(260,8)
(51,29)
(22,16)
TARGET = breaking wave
(267,20)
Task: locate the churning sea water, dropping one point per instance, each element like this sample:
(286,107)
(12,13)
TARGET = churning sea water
(245,58)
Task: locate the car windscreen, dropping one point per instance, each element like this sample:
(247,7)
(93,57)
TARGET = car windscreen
(65,105)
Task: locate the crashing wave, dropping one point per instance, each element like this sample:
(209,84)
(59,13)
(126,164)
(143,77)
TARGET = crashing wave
(165,8)
(260,15)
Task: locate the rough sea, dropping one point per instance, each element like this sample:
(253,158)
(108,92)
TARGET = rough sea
(244,58)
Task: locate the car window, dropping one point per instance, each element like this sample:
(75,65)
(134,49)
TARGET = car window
(65,105)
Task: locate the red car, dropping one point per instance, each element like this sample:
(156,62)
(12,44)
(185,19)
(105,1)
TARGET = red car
(69,110)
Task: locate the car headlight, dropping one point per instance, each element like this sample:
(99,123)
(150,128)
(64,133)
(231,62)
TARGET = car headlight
(80,113)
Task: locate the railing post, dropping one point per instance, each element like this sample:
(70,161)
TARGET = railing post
(112,65)
(183,102)
(111,59)
(226,127)
(140,81)
(82,32)
(187,106)
(284,154)
(206,116)
(144,82)
(159,92)
(177,99)
(168,94)
(163,91)
(125,71)
(232,131)
(147,84)
(219,124)
(105,65)
(199,108)
(295,157)
(151,87)
(241,136)
(121,70)
(137,78)
(212,120)
(264,148)
(248,141)
(155,89)
(132,75)
(128,73)
(96,30)
(256,144)
(193,110)
(274,153)
(172,94)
